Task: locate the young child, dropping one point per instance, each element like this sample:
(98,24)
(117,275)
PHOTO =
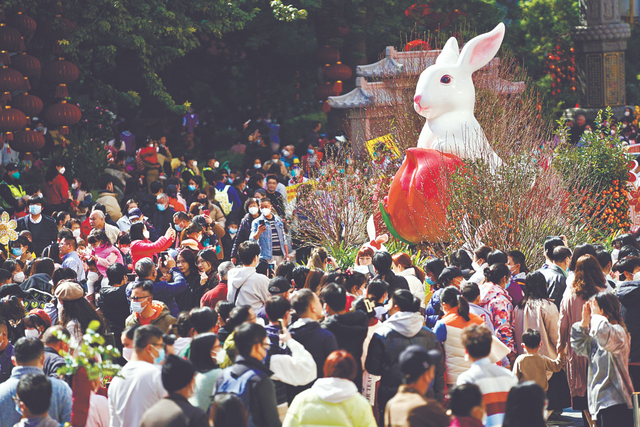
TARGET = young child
(532,366)
(466,406)
(33,397)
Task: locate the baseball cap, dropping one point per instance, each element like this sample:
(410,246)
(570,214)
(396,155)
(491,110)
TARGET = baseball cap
(279,285)
(416,360)
(134,213)
(10,167)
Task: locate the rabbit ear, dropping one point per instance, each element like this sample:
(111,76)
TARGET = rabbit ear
(450,52)
(481,49)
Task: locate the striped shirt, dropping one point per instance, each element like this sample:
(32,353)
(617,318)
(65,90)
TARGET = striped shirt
(494,382)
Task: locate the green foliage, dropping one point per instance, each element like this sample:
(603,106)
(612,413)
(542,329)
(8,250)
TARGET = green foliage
(344,254)
(92,355)
(599,157)
(286,12)
(632,68)
(83,154)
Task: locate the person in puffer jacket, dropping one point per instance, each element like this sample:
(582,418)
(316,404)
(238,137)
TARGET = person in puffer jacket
(333,400)
(450,276)
(404,327)
(449,332)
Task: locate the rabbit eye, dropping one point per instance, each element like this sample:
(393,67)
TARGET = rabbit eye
(446,79)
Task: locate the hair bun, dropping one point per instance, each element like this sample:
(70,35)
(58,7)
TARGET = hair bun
(487,271)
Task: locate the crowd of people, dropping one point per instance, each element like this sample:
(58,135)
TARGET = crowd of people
(222,319)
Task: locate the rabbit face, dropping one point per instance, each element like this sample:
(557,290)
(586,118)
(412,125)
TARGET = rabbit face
(447,86)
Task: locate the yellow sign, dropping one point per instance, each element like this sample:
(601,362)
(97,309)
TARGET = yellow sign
(386,143)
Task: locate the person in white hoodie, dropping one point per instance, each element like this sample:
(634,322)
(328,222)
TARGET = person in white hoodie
(404,327)
(245,285)
(333,400)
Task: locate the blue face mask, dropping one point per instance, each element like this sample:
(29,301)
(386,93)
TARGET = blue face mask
(158,360)
(161,207)
(17,251)
(178,228)
(15,175)
(18,410)
(192,187)
(429,281)
(35,209)
(311,151)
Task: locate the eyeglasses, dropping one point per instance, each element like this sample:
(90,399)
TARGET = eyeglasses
(139,298)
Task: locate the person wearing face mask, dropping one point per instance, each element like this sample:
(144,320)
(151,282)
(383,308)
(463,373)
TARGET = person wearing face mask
(20,249)
(74,311)
(163,216)
(179,379)
(146,310)
(142,247)
(139,384)
(103,252)
(42,228)
(228,238)
(410,406)
(404,326)
(11,191)
(268,231)
(467,406)
(16,268)
(252,209)
(35,323)
(191,168)
(56,188)
(210,168)
(206,355)
(225,194)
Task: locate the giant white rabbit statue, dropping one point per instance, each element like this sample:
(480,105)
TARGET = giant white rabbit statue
(445,96)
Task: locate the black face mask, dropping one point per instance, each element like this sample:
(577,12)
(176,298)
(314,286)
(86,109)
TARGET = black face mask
(202,200)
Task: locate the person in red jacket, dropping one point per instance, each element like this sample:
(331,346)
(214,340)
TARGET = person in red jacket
(56,189)
(142,247)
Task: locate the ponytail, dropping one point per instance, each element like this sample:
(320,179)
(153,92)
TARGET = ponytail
(463,308)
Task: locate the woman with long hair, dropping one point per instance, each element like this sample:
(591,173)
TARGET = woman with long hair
(56,188)
(103,252)
(313,280)
(537,311)
(190,298)
(403,266)
(603,339)
(142,247)
(77,313)
(449,332)
(495,299)
(589,280)
(206,354)
(320,259)
(207,262)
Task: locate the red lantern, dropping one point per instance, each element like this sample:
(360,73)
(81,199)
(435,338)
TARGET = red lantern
(324,91)
(417,45)
(58,28)
(10,41)
(337,87)
(28,65)
(27,140)
(343,31)
(23,23)
(11,121)
(337,71)
(62,116)
(61,72)
(327,55)
(10,81)
(30,105)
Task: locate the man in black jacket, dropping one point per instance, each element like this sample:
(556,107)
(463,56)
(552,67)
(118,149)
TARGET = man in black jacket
(11,191)
(349,328)
(52,348)
(113,301)
(178,378)
(43,229)
(259,393)
(556,273)
(163,216)
(628,293)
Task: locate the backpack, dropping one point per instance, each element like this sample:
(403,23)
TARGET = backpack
(239,386)
(222,197)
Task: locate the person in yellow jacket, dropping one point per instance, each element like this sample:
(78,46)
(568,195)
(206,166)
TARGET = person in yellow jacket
(11,191)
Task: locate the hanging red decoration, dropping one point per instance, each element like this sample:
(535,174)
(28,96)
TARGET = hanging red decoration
(337,71)
(61,72)
(9,38)
(337,87)
(30,105)
(28,65)
(27,141)
(23,23)
(417,45)
(417,11)
(325,107)
(11,121)
(324,91)
(58,28)
(62,115)
(326,55)
(10,80)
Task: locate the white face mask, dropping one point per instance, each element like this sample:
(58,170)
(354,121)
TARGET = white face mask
(253,210)
(92,276)
(127,352)
(285,153)
(195,163)
(76,232)
(31,333)
(257,165)
(18,277)
(636,276)
(62,171)
(216,165)
(74,185)
(136,307)
(265,211)
(220,356)
(145,233)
